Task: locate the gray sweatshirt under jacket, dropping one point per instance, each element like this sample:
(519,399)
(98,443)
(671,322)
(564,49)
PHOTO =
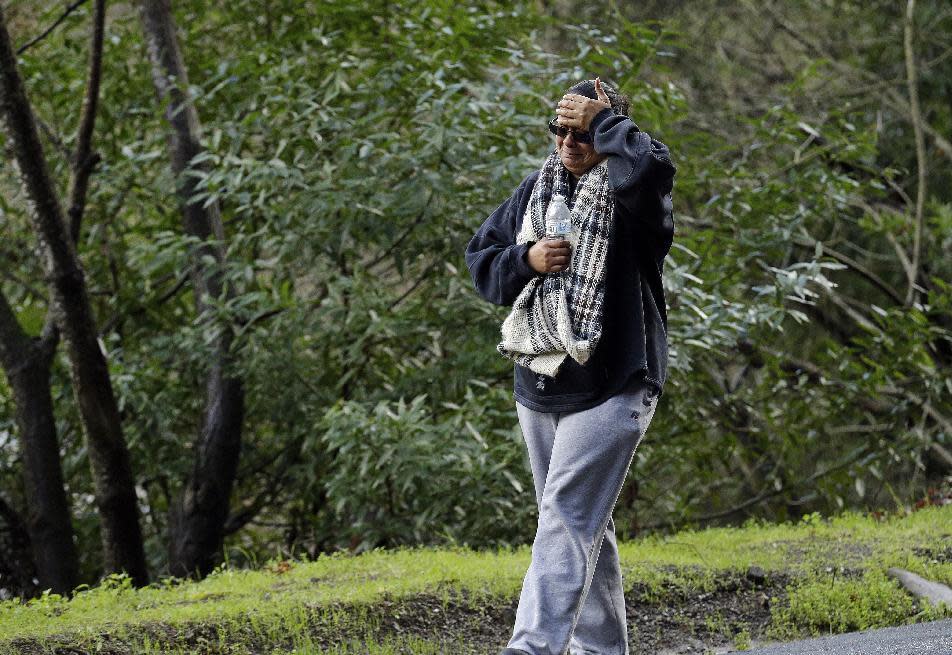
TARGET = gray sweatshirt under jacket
(634,334)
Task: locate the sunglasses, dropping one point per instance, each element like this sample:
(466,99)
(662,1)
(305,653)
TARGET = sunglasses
(558,130)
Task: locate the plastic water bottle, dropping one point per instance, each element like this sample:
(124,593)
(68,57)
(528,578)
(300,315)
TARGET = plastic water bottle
(558,220)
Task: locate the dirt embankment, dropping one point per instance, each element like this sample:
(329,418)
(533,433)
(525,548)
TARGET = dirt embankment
(665,618)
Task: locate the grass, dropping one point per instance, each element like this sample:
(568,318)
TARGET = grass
(836,570)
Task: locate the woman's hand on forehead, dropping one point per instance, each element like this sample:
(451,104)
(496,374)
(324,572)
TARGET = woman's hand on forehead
(577,111)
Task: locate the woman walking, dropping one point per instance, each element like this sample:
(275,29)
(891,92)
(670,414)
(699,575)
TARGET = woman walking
(588,335)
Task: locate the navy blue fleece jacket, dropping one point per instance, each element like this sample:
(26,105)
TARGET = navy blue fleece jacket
(634,335)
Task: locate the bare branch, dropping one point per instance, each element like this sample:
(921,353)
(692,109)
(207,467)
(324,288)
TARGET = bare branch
(912,80)
(144,307)
(939,418)
(767,495)
(893,97)
(272,488)
(854,265)
(860,429)
(426,274)
(84,160)
(70,9)
(54,138)
(942,452)
(852,313)
(404,235)
(901,104)
(32,289)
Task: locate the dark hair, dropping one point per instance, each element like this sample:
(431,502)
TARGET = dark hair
(620,103)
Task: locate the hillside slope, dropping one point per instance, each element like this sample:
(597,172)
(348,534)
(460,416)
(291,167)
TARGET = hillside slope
(689,592)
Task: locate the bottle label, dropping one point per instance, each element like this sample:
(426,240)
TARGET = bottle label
(559,227)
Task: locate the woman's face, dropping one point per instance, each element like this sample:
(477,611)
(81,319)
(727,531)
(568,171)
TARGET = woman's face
(577,157)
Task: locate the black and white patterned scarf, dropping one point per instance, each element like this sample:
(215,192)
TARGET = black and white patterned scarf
(559,315)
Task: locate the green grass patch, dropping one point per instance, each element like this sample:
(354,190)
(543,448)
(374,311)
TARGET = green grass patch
(828,606)
(836,570)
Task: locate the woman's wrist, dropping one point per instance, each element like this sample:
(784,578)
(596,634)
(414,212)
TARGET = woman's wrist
(599,118)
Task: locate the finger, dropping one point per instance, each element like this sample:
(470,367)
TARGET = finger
(600,92)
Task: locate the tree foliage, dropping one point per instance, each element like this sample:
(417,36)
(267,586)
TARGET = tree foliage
(354,148)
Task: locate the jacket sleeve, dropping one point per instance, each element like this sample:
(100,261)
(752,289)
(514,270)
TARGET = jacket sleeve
(499,268)
(640,170)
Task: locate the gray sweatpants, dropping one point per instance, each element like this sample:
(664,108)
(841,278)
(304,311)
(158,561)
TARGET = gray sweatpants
(572,599)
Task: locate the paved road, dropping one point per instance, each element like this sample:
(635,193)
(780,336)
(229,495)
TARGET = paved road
(921,639)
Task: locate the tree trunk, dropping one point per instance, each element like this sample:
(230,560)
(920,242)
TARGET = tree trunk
(108,455)
(198,517)
(27,364)
(16,566)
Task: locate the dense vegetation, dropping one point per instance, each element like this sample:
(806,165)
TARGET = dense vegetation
(351,149)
